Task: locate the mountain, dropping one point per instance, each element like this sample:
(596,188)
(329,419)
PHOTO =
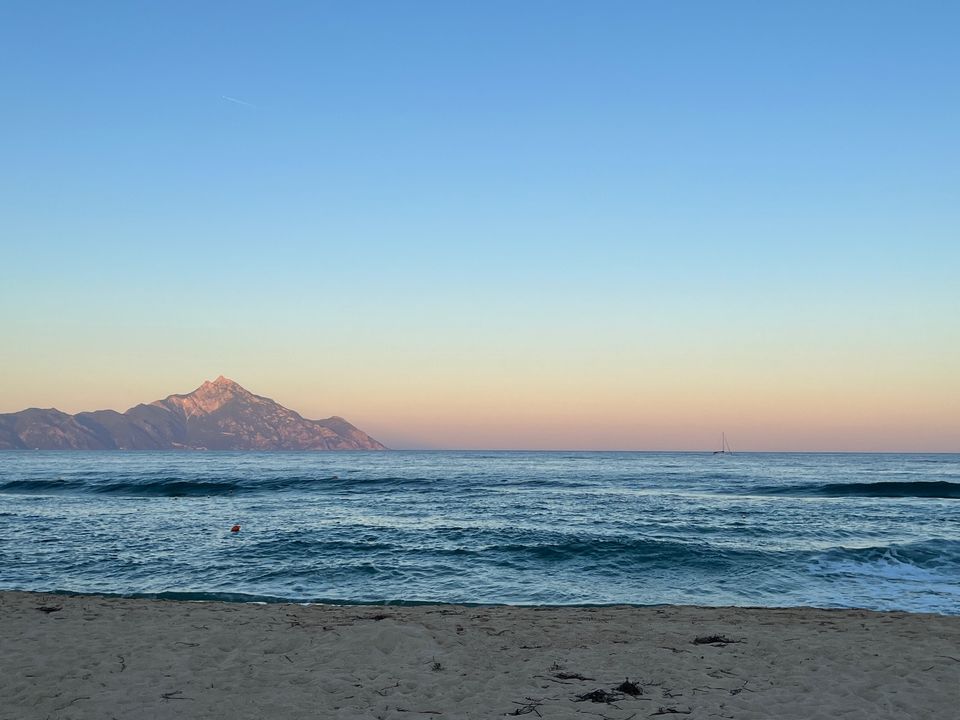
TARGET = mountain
(218,415)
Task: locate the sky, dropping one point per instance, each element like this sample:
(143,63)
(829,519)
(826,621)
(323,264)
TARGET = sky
(518,225)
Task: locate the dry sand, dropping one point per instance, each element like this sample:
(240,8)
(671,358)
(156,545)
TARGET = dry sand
(108,658)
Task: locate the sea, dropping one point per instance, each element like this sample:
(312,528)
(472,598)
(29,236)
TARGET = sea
(878,531)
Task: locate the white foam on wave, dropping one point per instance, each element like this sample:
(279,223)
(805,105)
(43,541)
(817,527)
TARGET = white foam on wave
(888,580)
(888,566)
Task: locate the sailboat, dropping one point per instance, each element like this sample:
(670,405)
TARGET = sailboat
(724,446)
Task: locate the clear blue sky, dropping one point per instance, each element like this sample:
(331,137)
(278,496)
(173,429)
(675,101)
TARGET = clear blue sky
(361,207)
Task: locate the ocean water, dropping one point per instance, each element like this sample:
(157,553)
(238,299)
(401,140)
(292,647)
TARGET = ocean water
(830,530)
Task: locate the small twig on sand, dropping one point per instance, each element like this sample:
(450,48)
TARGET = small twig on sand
(123,663)
(421,712)
(604,717)
(173,695)
(383,691)
(737,691)
(550,679)
(671,711)
(526,708)
(82,697)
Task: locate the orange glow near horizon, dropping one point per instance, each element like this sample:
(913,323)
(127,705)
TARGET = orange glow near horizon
(561,374)
(617,409)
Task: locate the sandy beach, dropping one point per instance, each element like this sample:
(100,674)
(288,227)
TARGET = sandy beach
(95,657)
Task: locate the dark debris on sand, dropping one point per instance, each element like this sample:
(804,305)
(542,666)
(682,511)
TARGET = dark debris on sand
(571,676)
(714,640)
(671,711)
(629,688)
(530,706)
(599,696)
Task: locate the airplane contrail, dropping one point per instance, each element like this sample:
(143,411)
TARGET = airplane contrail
(237,101)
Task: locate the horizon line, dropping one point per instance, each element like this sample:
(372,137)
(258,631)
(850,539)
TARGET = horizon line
(187,451)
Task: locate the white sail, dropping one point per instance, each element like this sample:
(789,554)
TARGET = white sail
(724,446)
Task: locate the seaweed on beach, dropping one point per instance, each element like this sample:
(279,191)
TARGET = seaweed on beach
(629,688)
(599,696)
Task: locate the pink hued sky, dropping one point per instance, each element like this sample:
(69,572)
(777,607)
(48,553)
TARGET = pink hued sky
(598,412)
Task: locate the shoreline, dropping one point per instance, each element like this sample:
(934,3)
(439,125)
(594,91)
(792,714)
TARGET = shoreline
(93,656)
(269,600)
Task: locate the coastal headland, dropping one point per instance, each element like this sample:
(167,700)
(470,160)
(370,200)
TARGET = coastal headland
(100,657)
(218,415)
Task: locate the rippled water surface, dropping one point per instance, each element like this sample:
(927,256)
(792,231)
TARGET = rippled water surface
(874,531)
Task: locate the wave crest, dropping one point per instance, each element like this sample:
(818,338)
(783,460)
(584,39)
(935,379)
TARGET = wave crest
(919,489)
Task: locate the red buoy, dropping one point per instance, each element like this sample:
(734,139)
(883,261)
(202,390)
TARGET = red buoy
(235,528)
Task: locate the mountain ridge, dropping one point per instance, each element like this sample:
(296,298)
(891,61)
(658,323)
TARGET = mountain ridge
(218,415)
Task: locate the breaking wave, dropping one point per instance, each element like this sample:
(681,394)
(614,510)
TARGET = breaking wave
(157,487)
(920,489)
